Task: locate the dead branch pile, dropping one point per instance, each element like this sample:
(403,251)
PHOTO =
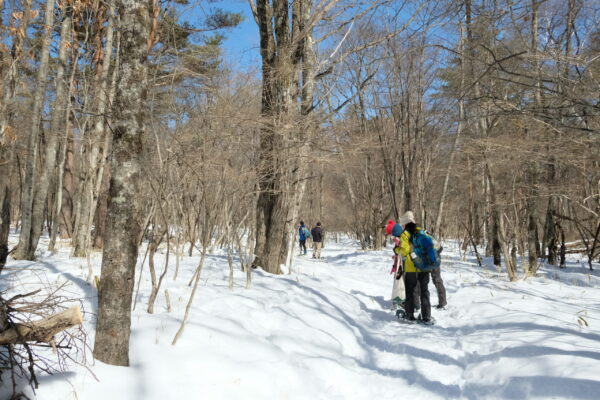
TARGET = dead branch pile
(38,333)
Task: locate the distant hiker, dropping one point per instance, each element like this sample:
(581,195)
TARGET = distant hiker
(317,238)
(303,234)
(412,277)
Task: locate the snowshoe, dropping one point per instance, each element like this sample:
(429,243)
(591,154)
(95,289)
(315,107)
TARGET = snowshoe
(430,321)
(407,320)
(397,302)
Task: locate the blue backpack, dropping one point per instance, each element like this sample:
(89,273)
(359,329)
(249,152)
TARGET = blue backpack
(306,233)
(426,252)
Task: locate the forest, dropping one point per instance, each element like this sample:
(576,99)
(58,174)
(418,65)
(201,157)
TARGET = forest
(129,134)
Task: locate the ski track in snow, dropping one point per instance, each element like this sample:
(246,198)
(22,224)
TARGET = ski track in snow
(325,331)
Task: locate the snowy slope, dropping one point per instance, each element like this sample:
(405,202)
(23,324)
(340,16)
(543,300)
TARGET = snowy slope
(325,332)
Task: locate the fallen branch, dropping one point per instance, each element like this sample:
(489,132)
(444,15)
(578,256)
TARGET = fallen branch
(42,330)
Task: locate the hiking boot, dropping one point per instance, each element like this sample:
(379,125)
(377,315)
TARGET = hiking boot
(408,319)
(441,306)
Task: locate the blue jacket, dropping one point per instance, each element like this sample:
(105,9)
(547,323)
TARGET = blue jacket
(301,232)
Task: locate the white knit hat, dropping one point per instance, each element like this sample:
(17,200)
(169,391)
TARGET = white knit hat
(406,218)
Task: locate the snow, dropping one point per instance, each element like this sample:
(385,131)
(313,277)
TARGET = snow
(325,331)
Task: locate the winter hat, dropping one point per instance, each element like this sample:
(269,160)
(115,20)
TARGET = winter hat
(397,230)
(389,227)
(393,228)
(406,218)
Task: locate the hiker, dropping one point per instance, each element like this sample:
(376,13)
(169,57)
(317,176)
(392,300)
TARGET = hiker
(317,238)
(398,290)
(303,234)
(412,277)
(436,278)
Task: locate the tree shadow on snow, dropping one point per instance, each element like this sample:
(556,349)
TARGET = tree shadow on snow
(343,258)
(517,388)
(526,351)
(90,292)
(545,387)
(372,342)
(517,327)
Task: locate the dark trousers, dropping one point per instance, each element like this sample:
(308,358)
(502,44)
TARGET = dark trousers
(436,277)
(411,281)
(303,246)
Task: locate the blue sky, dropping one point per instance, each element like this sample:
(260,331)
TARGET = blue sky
(241,45)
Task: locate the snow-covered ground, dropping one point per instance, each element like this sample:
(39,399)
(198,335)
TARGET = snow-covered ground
(325,331)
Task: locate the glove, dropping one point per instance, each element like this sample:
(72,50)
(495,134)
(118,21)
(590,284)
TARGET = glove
(393,269)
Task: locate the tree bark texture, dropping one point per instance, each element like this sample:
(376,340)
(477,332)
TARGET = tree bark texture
(123,226)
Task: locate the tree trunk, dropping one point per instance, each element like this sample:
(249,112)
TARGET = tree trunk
(156,240)
(26,248)
(532,239)
(58,113)
(461,122)
(499,233)
(121,246)
(67,223)
(7,132)
(279,53)
(63,148)
(306,52)
(101,211)
(99,141)
(532,172)
(4,225)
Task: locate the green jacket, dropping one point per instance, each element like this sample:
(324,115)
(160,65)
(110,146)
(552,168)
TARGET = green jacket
(405,249)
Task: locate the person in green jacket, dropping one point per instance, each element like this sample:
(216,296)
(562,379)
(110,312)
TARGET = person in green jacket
(412,277)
